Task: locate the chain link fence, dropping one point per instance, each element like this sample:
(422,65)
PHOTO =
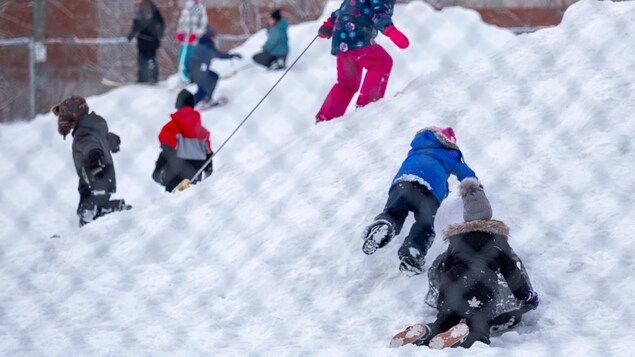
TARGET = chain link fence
(264,257)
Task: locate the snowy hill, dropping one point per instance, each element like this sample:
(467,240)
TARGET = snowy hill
(265,258)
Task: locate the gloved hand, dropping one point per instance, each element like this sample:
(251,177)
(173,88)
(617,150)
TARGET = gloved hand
(397,37)
(180,37)
(237,55)
(532,299)
(326,30)
(114,141)
(191,39)
(97,166)
(130,37)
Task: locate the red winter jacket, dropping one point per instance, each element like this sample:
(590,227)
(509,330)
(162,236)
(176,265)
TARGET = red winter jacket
(185,134)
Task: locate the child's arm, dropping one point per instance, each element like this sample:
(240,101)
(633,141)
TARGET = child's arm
(511,268)
(382,14)
(462,171)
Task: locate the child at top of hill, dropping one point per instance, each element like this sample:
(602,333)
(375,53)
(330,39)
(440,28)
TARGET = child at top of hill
(199,66)
(185,145)
(275,50)
(353,28)
(468,291)
(419,187)
(93,144)
(192,25)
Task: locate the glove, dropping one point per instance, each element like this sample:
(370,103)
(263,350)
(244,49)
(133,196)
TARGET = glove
(130,37)
(191,39)
(237,55)
(114,141)
(180,37)
(97,166)
(532,300)
(326,30)
(397,37)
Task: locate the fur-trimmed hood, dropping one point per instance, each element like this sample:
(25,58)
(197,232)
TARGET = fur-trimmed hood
(490,226)
(439,135)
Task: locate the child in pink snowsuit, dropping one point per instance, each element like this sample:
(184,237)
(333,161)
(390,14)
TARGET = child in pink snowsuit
(354,28)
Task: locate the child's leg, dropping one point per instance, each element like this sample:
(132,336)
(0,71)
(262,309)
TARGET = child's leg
(378,64)
(421,235)
(349,77)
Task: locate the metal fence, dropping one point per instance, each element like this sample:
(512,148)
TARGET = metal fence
(264,257)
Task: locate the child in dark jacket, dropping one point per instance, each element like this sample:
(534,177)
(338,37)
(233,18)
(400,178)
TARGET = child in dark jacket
(468,292)
(354,28)
(275,50)
(92,145)
(185,146)
(420,186)
(198,66)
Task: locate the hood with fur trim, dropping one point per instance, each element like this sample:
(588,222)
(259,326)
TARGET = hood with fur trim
(439,135)
(490,226)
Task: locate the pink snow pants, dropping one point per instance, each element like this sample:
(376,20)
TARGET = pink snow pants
(350,65)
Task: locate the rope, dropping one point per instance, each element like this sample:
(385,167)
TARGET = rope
(198,173)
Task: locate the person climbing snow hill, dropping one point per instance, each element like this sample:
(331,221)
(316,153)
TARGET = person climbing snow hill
(185,146)
(199,66)
(468,293)
(353,28)
(419,187)
(92,147)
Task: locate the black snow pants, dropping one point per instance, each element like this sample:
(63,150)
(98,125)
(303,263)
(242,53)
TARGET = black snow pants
(403,198)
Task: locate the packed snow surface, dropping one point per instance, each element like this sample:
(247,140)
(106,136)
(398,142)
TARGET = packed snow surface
(265,257)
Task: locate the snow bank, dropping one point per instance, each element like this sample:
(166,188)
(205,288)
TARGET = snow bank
(265,258)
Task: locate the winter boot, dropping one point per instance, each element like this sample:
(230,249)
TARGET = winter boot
(411,266)
(412,334)
(376,236)
(452,337)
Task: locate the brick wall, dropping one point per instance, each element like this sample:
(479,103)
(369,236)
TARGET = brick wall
(85,39)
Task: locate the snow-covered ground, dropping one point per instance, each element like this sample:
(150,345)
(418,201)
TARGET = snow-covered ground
(265,258)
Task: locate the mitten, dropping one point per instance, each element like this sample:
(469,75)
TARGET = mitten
(180,37)
(532,300)
(397,37)
(326,30)
(191,39)
(95,158)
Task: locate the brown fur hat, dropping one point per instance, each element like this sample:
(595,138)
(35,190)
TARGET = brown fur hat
(68,112)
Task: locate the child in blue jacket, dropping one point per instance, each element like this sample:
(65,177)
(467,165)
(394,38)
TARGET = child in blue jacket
(420,186)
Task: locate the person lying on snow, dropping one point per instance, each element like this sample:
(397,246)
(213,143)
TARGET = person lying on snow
(420,186)
(185,146)
(92,145)
(468,293)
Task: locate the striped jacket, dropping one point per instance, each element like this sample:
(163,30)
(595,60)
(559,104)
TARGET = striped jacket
(193,20)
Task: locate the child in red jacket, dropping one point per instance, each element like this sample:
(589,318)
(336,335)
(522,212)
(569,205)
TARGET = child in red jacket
(354,28)
(185,145)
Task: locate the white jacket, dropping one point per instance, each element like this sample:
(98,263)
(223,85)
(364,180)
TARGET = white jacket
(193,20)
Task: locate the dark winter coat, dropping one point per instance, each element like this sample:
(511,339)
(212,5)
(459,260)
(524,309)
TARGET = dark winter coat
(92,145)
(277,39)
(148,26)
(200,60)
(431,161)
(185,146)
(476,251)
(358,21)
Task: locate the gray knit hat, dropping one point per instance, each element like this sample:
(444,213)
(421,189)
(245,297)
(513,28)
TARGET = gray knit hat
(475,204)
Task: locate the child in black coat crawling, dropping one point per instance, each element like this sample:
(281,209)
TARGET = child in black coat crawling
(477,249)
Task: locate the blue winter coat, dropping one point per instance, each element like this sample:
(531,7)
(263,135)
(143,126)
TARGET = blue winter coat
(431,161)
(357,22)
(199,62)
(277,39)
